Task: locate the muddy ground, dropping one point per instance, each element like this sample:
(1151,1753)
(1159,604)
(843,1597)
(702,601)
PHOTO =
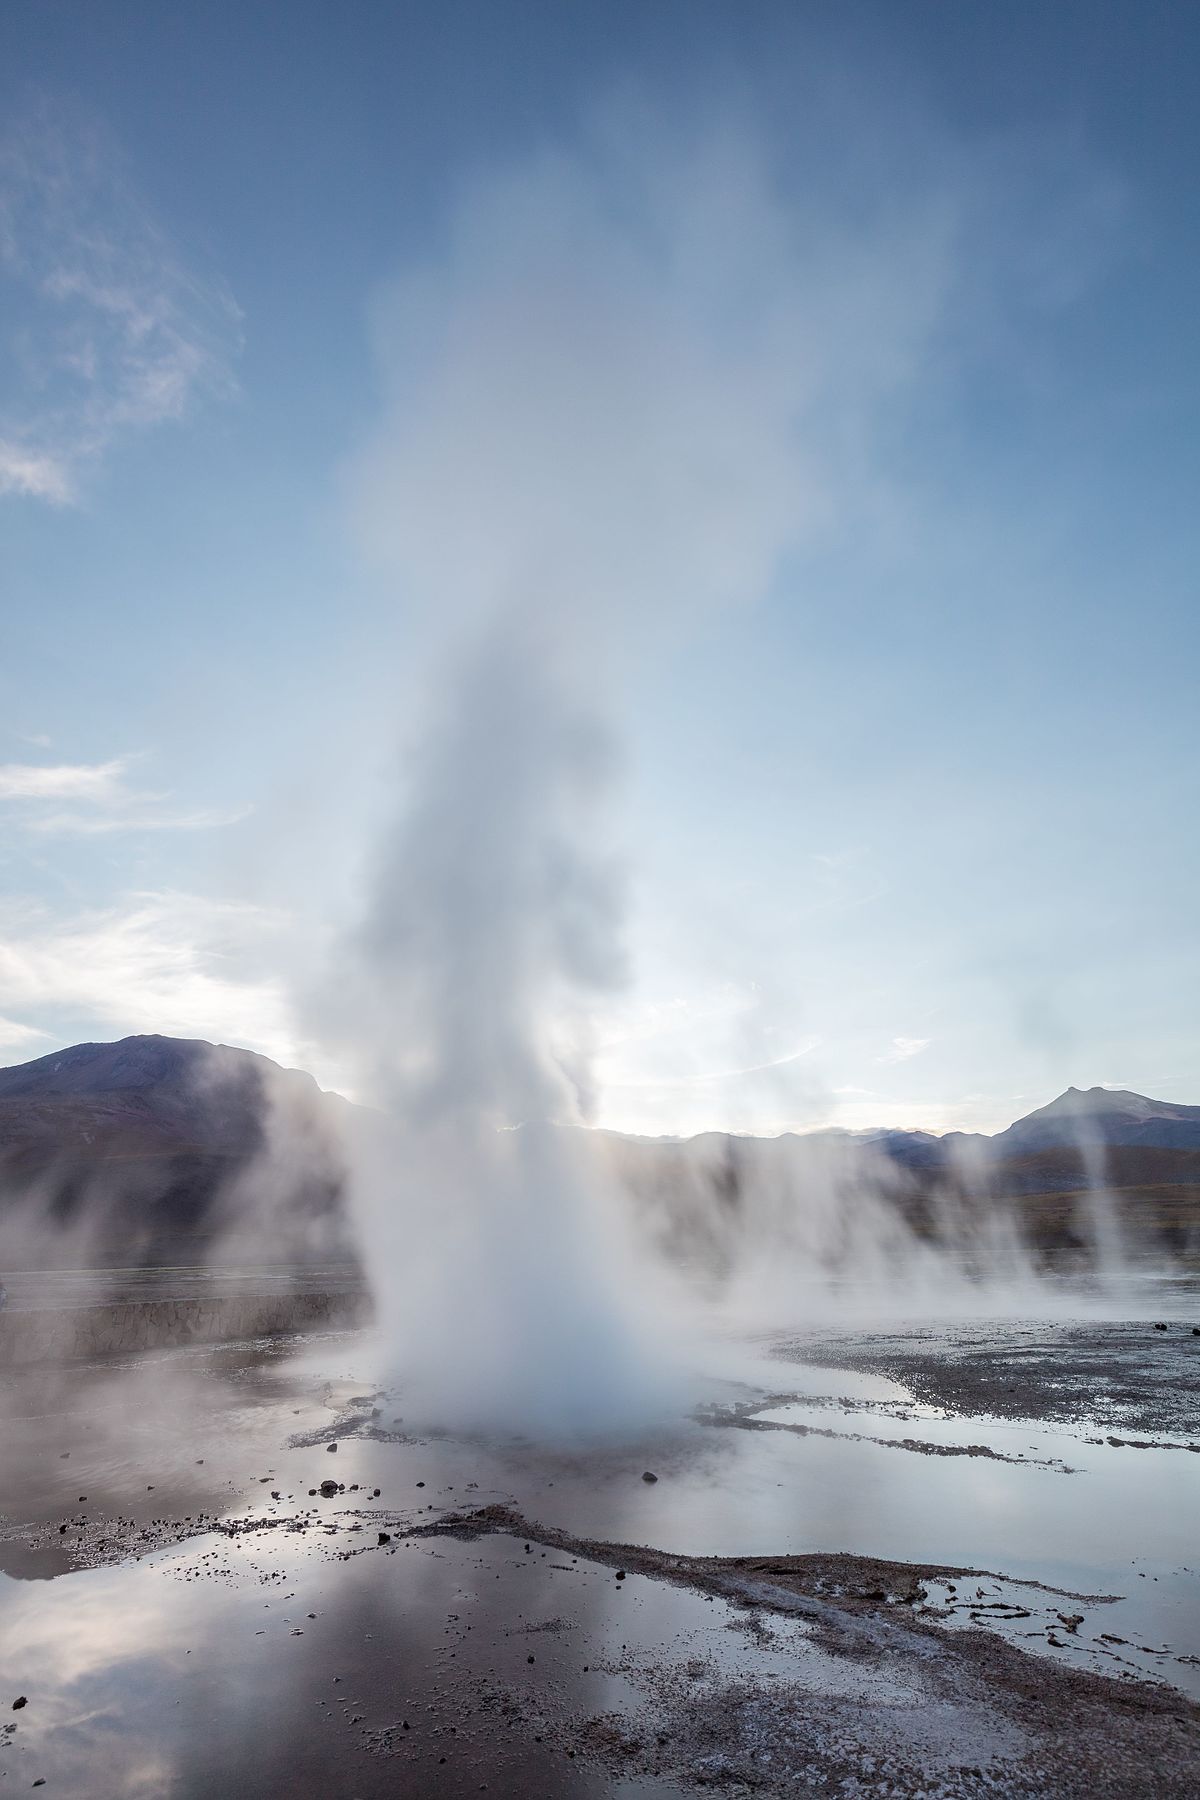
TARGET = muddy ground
(1138,1377)
(204,1598)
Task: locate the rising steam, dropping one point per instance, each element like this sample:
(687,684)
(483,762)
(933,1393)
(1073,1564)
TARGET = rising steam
(636,376)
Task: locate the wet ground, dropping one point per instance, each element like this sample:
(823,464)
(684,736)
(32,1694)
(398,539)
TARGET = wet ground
(53,1290)
(950,1561)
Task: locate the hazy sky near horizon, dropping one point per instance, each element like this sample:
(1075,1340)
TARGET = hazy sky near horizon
(907,813)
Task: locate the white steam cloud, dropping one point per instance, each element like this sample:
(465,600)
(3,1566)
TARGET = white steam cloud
(638,375)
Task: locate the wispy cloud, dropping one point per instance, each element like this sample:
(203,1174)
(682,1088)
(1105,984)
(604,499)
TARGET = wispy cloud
(704,1077)
(38,474)
(113,332)
(142,812)
(100,801)
(904,1048)
(62,781)
(160,961)
(15,1036)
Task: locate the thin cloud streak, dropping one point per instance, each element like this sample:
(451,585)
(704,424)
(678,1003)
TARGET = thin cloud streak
(101,788)
(14,1035)
(163,961)
(904,1049)
(114,332)
(62,781)
(135,819)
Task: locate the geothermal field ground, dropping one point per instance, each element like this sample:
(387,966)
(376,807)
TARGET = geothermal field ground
(952,1558)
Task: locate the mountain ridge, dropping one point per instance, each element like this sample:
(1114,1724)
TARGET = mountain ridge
(153,1148)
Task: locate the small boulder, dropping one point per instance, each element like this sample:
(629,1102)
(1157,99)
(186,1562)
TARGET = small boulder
(649,1475)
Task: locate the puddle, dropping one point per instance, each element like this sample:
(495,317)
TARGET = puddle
(158,1669)
(266,1665)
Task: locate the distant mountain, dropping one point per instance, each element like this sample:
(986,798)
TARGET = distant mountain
(159,1149)
(152,1149)
(1104,1116)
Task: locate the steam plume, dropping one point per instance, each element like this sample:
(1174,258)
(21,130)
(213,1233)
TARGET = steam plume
(634,378)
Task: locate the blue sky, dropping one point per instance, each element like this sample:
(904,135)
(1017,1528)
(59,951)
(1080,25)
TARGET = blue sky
(907,763)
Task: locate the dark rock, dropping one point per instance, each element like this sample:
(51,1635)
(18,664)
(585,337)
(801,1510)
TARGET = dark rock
(620,1574)
(1160,1327)
(385,1537)
(19,1702)
(329,1488)
(647,1475)
(331,1446)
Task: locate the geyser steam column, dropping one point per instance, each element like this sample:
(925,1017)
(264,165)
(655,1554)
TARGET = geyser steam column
(607,397)
(507,1292)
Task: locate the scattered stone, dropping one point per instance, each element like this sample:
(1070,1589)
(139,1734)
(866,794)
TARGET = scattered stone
(648,1475)
(385,1537)
(329,1488)
(1160,1328)
(331,1446)
(19,1702)
(620,1574)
